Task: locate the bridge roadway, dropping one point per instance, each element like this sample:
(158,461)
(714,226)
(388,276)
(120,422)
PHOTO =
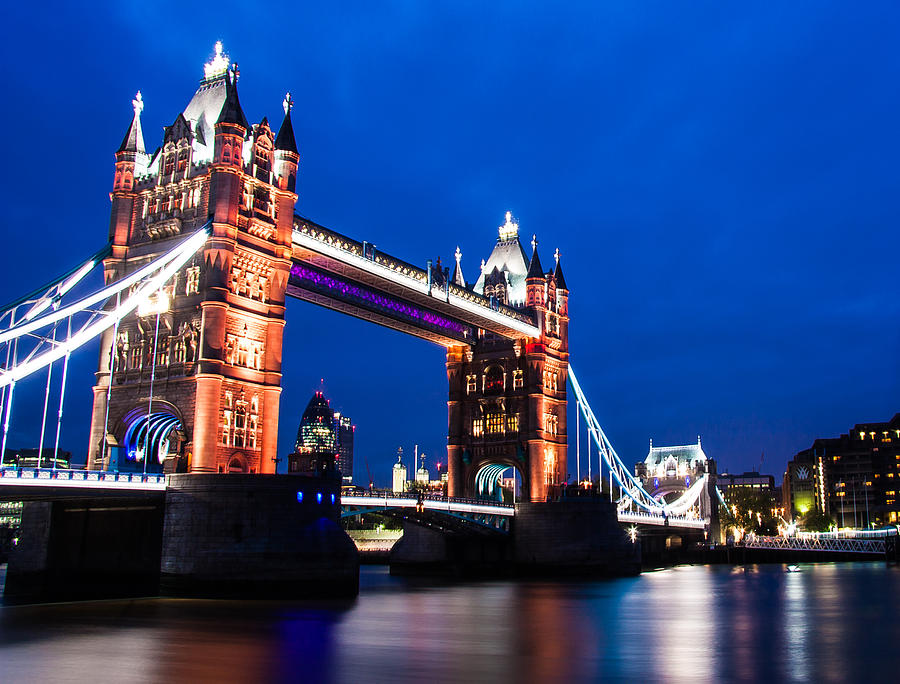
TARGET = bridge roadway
(352,277)
(38,483)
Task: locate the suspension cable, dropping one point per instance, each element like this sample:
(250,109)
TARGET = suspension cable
(112,368)
(62,394)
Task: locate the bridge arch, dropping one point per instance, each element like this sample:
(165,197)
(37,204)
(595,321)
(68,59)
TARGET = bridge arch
(485,478)
(237,463)
(156,432)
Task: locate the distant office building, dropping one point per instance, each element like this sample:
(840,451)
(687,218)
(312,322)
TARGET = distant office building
(730,485)
(749,480)
(343,430)
(316,446)
(398,474)
(28,458)
(853,478)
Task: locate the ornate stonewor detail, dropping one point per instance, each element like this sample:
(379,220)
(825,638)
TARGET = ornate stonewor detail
(192,280)
(185,343)
(250,277)
(551,379)
(244,351)
(240,420)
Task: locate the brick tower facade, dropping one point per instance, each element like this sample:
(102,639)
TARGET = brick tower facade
(507,402)
(215,365)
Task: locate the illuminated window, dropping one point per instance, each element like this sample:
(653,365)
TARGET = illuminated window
(192,280)
(518,379)
(251,432)
(471,383)
(226,427)
(162,351)
(494,423)
(514,423)
(549,466)
(477,427)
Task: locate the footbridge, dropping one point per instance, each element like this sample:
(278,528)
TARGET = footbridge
(425,508)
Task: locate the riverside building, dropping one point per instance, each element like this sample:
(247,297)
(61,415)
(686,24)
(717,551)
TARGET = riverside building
(854,478)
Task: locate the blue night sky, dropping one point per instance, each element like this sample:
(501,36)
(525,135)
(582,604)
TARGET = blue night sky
(720,178)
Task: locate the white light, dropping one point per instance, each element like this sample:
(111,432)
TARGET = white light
(182,254)
(155,303)
(218,64)
(190,244)
(510,229)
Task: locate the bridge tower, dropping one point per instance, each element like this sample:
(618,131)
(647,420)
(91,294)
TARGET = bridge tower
(507,399)
(192,382)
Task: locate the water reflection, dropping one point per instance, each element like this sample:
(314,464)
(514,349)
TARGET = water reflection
(759,623)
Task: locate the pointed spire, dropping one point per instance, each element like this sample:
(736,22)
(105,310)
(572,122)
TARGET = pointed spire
(534,269)
(231,108)
(458,278)
(558,274)
(134,138)
(285,138)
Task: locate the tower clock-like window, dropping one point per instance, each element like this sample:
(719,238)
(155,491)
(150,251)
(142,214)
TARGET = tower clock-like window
(494,380)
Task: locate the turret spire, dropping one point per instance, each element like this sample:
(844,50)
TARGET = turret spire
(285,139)
(458,278)
(231,109)
(134,137)
(558,274)
(534,269)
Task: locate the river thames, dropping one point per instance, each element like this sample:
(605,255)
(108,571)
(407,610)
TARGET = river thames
(827,622)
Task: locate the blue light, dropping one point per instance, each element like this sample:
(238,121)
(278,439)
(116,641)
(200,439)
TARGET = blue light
(300,497)
(332,498)
(319,497)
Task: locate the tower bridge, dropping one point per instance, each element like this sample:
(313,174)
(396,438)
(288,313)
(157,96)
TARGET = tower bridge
(204,247)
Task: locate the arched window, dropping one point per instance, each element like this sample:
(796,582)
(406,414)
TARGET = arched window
(493,380)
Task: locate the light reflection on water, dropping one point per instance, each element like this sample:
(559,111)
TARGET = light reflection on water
(717,623)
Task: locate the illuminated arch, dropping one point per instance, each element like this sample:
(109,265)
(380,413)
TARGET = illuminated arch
(148,435)
(487,476)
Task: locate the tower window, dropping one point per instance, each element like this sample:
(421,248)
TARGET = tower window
(471,383)
(477,427)
(518,379)
(494,423)
(494,380)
